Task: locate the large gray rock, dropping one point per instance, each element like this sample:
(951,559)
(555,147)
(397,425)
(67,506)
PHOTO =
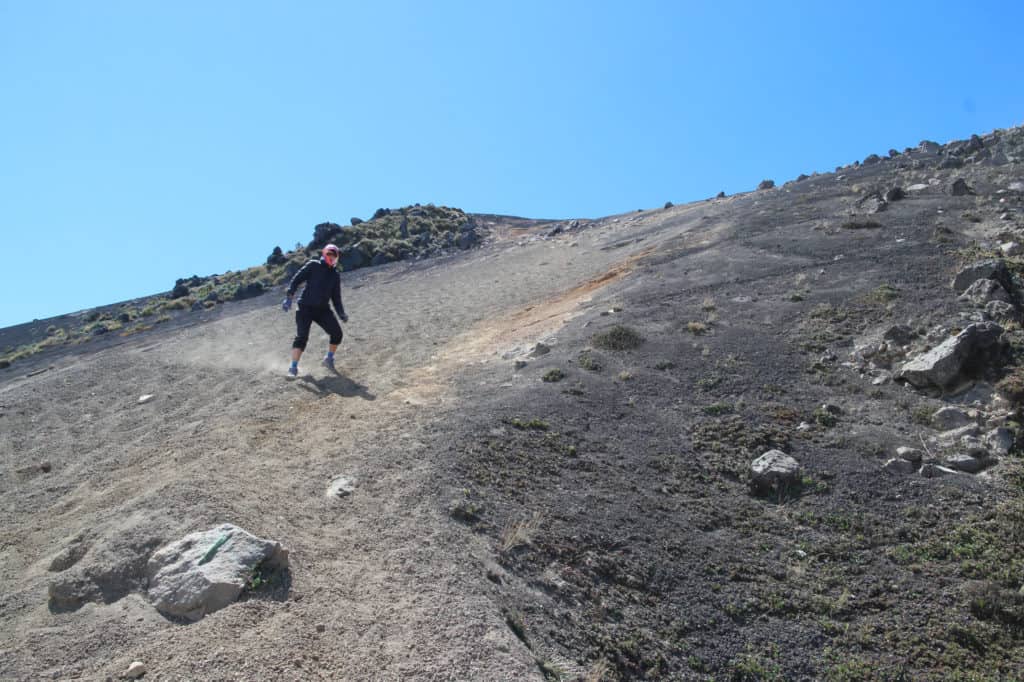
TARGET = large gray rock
(941,366)
(984,291)
(967,463)
(200,574)
(949,417)
(986,269)
(774,470)
(999,441)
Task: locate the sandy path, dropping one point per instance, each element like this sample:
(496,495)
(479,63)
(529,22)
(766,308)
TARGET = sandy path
(384,584)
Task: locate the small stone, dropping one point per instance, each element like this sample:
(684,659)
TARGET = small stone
(1011,248)
(320,627)
(1005,216)
(804,426)
(136,670)
(540,349)
(143,399)
(909,454)
(520,364)
(45,467)
(919,187)
(342,486)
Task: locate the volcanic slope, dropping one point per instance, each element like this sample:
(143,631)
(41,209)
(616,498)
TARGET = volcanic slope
(550,438)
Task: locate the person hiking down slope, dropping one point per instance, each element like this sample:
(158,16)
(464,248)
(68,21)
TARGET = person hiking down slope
(323,287)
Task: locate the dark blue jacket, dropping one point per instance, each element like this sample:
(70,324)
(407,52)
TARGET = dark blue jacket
(323,286)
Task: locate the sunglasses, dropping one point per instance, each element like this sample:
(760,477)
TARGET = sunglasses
(330,254)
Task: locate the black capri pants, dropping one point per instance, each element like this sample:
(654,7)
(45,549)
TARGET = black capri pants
(305,317)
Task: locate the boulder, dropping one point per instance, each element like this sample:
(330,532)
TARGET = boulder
(986,269)
(966,463)
(720,195)
(918,187)
(929,146)
(206,571)
(899,334)
(895,194)
(941,366)
(1011,248)
(180,290)
(323,234)
(984,291)
(276,257)
(951,162)
(872,159)
(960,188)
(774,470)
(352,257)
(766,184)
(949,418)
(355,221)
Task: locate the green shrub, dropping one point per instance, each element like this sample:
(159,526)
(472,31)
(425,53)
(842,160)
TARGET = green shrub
(618,337)
(553,375)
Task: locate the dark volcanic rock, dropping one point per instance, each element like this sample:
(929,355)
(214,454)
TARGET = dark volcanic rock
(951,162)
(872,159)
(355,221)
(276,257)
(895,194)
(766,184)
(179,290)
(352,257)
(960,188)
(250,290)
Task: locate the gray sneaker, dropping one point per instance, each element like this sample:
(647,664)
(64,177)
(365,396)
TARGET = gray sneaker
(328,363)
(293,372)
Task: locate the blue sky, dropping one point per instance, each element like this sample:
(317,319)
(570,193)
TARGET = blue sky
(141,141)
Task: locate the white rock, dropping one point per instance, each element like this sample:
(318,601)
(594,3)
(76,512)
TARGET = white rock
(341,486)
(205,571)
(1010,248)
(804,426)
(136,670)
(774,470)
(145,398)
(941,365)
(1016,187)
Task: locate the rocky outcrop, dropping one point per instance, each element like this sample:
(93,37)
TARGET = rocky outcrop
(986,269)
(941,366)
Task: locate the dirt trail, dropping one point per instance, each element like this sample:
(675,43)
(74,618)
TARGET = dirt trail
(383,584)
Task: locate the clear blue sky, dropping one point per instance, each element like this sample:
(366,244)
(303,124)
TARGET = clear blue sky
(145,141)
